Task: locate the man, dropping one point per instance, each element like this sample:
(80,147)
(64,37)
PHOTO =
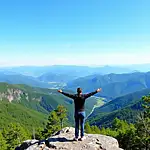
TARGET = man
(79,101)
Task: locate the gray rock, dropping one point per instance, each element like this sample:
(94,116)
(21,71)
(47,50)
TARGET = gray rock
(28,143)
(63,140)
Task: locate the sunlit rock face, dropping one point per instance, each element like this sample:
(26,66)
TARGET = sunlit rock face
(63,140)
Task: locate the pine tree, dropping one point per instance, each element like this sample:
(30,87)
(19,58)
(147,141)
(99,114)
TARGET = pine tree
(39,133)
(3,145)
(87,128)
(53,124)
(95,130)
(15,135)
(120,125)
(143,126)
(62,114)
(55,121)
(103,131)
(125,133)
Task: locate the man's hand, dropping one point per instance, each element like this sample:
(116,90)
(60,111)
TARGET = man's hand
(60,91)
(98,90)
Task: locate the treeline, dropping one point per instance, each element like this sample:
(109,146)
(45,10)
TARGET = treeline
(130,136)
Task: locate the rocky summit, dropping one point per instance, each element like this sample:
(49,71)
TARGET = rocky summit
(63,140)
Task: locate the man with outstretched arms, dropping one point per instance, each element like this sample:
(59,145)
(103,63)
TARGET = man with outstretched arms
(79,103)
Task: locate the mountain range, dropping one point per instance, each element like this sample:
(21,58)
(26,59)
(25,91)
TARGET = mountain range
(30,93)
(52,76)
(72,70)
(113,85)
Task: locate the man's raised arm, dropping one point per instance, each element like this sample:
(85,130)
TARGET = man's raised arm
(92,93)
(66,94)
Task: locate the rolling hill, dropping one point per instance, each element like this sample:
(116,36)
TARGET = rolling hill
(126,107)
(14,78)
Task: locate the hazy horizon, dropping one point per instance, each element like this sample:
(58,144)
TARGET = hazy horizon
(81,33)
(109,65)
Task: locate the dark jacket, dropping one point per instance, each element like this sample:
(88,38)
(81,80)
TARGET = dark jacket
(79,100)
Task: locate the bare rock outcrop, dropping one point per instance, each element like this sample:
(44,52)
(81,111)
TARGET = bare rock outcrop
(63,140)
(11,94)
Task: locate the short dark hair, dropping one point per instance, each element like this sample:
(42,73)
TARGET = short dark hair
(79,90)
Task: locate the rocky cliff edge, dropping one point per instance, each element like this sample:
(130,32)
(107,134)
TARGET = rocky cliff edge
(63,140)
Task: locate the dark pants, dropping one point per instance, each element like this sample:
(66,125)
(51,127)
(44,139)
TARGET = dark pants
(79,120)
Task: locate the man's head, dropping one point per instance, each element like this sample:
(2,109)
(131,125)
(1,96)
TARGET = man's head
(79,90)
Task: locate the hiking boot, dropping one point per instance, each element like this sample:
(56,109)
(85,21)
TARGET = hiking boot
(75,139)
(82,138)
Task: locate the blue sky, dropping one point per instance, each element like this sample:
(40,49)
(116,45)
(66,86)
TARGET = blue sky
(79,32)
